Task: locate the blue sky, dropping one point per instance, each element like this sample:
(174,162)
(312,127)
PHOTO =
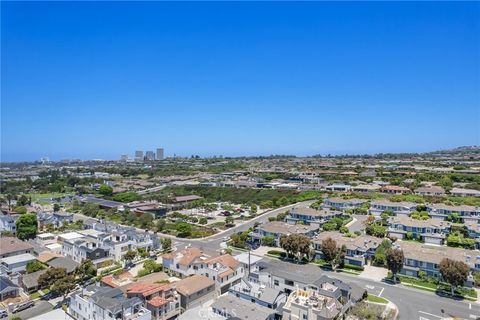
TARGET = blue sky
(98,79)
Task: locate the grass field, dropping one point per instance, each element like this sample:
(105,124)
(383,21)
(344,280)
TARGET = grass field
(376,299)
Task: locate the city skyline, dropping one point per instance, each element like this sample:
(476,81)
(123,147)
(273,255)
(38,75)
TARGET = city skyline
(238,79)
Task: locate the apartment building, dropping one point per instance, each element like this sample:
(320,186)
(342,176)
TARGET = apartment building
(423,257)
(309,216)
(277,229)
(431,231)
(402,207)
(342,204)
(442,211)
(359,249)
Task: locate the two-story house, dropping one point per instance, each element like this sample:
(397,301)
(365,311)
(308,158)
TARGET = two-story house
(359,249)
(277,229)
(342,204)
(442,211)
(104,303)
(427,258)
(398,208)
(311,216)
(161,299)
(432,231)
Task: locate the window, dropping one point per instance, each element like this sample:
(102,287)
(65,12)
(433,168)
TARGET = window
(275,282)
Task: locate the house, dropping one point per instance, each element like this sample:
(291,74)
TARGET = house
(432,231)
(397,208)
(184,263)
(10,246)
(85,248)
(195,290)
(359,249)
(16,263)
(366,188)
(277,229)
(248,261)
(7,288)
(8,222)
(442,211)
(63,262)
(426,258)
(30,280)
(395,189)
(342,204)
(473,230)
(161,299)
(285,276)
(460,192)
(339,187)
(309,216)
(430,191)
(230,307)
(224,270)
(260,294)
(104,303)
(328,298)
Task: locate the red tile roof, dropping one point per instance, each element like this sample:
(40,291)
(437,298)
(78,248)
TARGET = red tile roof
(147,289)
(157,302)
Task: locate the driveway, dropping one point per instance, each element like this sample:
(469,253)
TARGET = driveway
(374,273)
(358,223)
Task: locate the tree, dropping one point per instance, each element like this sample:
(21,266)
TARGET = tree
(203,220)
(394,258)
(454,272)
(10,197)
(268,241)
(106,190)
(34,266)
(152,266)
(160,225)
(145,220)
(63,285)
(296,245)
(50,276)
(129,255)
(333,254)
(56,207)
(23,200)
(27,226)
(166,244)
(20,209)
(253,208)
(229,220)
(86,270)
(184,230)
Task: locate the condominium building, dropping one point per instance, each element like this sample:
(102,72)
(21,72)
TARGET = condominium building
(160,155)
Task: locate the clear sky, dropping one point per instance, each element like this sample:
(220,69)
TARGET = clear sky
(98,79)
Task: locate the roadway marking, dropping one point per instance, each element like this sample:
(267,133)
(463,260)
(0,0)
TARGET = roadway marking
(423,318)
(472,316)
(429,314)
(469,306)
(381,291)
(369,287)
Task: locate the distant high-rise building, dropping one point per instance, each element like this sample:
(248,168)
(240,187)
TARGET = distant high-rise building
(138,155)
(124,157)
(150,155)
(160,154)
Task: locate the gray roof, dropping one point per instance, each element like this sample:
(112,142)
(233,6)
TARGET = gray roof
(112,299)
(6,284)
(303,273)
(265,294)
(242,309)
(30,280)
(63,262)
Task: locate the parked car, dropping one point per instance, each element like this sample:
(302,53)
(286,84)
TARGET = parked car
(3,313)
(50,295)
(22,306)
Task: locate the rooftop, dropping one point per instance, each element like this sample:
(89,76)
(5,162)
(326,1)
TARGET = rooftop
(193,284)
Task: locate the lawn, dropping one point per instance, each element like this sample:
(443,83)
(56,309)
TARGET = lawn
(44,198)
(376,299)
